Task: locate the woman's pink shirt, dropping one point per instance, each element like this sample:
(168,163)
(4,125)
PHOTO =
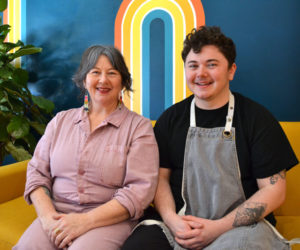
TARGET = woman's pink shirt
(82,170)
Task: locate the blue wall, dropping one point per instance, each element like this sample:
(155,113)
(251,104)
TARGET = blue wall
(64,29)
(266,34)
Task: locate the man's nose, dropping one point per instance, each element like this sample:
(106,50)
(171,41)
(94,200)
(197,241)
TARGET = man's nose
(201,71)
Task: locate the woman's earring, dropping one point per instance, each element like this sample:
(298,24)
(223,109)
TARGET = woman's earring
(86,102)
(120,100)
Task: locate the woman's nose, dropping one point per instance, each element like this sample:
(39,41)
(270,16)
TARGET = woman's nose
(102,77)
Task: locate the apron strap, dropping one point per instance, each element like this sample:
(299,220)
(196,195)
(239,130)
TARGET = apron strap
(229,117)
(193,115)
(293,241)
(290,242)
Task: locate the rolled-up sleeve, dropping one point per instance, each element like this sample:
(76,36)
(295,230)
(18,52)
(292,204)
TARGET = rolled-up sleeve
(141,171)
(38,169)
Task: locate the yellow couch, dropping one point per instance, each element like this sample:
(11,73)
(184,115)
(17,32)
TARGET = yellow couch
(16,215)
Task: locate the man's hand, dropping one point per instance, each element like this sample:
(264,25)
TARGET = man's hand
(201,234)
(69,227)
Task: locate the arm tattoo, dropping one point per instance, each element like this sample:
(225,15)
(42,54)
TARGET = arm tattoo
(249,213)
(47,191)
(274,178)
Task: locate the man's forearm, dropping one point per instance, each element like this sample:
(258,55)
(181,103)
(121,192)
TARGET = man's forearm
(163,200)
(270,196)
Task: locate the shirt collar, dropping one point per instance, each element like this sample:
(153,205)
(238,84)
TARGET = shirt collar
(81,115)
(115,118)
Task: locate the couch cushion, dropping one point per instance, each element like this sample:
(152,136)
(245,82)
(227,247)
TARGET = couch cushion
(12,180)
(291,205)
(16,215)
(289,227)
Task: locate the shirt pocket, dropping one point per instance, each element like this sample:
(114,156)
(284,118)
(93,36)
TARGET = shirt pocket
(113,165)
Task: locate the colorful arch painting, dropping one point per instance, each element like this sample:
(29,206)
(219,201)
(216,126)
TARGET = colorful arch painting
(134,36)
(15,16)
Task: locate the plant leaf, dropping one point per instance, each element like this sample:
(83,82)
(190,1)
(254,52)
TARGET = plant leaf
(18,153)
(3,132)
(5,73)
(3,5)
(3,108)
(27,50)
(43,103)
(9,46)
(4,30)
(31,142)
(17,106)
(20,76)
(3,96)
(18,127)
(39,127)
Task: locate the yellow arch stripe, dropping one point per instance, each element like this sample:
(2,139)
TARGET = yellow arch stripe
(191,22)
(184,20)
(178,31)
(14,20)
(126,44)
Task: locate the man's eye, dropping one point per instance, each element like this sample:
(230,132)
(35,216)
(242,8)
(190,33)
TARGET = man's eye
(193,66)
(211,65)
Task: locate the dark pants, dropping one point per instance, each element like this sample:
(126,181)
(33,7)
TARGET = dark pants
(147,238)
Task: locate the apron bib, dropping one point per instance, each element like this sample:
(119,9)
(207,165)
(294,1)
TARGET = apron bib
(212,187)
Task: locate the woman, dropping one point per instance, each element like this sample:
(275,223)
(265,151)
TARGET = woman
(95,169)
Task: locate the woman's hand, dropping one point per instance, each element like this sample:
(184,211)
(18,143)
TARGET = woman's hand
(49,223)
(68,227)
(176,224)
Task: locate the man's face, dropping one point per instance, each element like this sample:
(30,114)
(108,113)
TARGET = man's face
(208,77)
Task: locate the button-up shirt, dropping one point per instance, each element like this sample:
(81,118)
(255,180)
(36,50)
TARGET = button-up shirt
(84,169)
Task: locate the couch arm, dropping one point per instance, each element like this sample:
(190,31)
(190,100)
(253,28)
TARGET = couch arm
(12,180)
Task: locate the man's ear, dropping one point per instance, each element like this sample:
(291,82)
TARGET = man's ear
(232,71)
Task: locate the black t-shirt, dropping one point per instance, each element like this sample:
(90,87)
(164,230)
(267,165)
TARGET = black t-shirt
(262,147)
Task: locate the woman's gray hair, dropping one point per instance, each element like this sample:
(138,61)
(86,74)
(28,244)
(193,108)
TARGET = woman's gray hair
(90,58)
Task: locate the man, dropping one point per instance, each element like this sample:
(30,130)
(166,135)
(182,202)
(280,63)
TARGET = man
(223,159)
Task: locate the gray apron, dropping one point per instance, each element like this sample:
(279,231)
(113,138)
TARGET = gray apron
(211,187)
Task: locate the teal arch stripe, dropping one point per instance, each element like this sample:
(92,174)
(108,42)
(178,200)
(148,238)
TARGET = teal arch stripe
(23,21)
(149,70)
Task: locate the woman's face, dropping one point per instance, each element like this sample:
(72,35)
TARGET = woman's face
(104,83)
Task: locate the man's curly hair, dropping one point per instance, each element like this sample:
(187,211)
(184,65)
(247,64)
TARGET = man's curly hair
(209,35)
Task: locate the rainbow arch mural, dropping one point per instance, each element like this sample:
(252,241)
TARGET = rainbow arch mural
(135,38)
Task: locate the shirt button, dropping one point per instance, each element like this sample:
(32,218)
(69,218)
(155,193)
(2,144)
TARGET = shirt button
(80,189)
(81,172)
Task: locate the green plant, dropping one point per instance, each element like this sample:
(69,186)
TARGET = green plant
(23,116)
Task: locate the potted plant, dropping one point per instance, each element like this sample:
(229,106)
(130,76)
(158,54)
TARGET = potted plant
(23,116)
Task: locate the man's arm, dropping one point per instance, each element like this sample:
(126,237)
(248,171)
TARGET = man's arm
(271,195)
(165,204)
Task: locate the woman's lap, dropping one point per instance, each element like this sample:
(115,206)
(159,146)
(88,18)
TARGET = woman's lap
(106,238)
